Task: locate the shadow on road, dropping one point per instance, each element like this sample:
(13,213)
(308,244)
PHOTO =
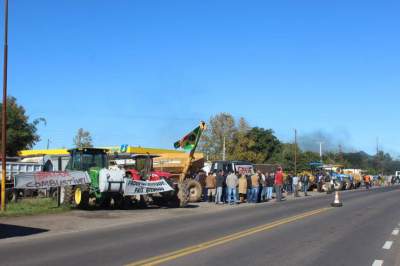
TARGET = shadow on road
(9,231)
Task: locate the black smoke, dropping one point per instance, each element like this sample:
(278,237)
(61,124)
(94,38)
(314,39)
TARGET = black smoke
(331,141)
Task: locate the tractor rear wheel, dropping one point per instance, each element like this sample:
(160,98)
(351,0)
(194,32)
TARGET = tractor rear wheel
(105,201)
(121,203)
(195,191)
(66,196)
(81,197)
(183,194)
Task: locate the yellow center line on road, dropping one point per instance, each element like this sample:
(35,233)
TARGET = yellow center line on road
(223,240)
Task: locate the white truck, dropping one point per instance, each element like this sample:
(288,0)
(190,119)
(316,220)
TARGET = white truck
(233,166)
(15,168)
(396,178)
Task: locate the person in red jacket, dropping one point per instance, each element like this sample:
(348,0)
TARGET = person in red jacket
(278,183)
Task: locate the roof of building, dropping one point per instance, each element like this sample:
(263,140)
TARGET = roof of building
(113,149)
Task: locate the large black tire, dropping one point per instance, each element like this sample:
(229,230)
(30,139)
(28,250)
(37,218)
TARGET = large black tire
(81,197)
(143,202)
(105,201)
(10,195)
(195,191)
(121,202)
(66,196)
(169,198)
(53,193)
(183,194)
(126,203)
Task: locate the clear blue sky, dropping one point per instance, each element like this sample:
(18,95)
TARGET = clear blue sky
(145,72)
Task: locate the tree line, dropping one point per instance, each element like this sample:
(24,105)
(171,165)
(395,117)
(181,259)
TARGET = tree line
(242,142)
(261,146)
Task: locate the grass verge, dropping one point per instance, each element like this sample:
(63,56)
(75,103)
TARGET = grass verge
(32,206)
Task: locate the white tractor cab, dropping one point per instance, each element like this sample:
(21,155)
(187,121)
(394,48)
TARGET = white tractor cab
(233,166)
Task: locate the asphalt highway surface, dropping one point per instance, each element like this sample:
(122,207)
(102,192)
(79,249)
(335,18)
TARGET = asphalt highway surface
(365,231)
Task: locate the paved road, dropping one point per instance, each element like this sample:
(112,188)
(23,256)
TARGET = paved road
(303,232)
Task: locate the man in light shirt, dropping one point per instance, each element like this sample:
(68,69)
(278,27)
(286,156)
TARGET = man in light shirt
(232,182)
(295,185)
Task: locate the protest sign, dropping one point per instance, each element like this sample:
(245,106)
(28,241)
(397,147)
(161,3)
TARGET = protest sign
(135,187)
(40,180)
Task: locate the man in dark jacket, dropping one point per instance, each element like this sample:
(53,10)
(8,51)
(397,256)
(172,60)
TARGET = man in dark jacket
(270,181)
(289,184)
(248,196)
(220,180)
(201,178)
(305,180)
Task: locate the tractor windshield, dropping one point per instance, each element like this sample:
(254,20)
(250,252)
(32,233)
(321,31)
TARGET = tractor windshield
(144,164)
(84,160)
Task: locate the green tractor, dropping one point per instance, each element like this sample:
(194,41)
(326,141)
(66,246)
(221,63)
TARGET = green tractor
(106,185)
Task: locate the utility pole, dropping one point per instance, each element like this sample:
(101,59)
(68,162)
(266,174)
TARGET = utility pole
(224,150)
(295,152)
(48,144)
(341,153)
(4,113)
(320,150)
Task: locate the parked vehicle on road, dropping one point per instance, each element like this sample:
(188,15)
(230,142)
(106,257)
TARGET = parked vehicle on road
(107,184)
(141,167)
(233,166)
(14,168)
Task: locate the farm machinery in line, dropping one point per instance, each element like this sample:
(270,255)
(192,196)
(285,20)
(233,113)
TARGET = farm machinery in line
(107,185)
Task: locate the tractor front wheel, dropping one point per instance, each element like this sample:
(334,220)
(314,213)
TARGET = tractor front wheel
(183,194)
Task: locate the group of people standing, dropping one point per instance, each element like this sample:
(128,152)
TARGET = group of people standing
(232,188)
(292,184)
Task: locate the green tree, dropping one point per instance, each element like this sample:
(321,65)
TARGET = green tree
(285,156)
(258,145)
(83,139)
(220,127)
(21,134)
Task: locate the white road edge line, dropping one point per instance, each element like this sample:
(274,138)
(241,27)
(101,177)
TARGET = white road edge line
(396,232)
(388,245)
(377,263)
